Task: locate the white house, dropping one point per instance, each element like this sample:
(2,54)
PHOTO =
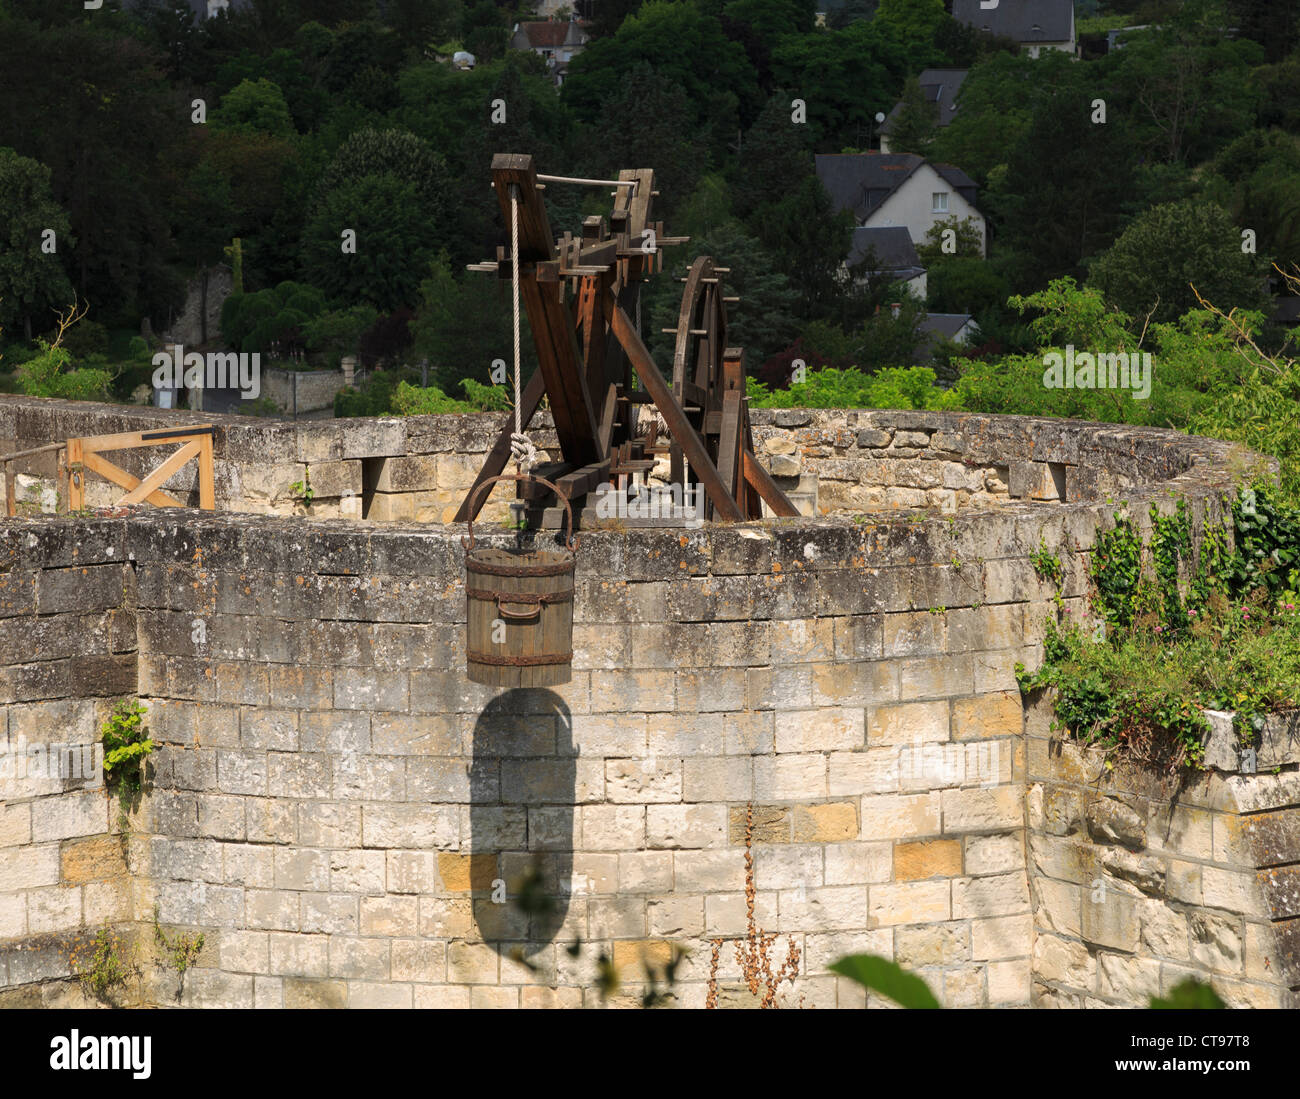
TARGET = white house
(890,255)
(1036,24)
(899,189)
(558,41)
(940,87)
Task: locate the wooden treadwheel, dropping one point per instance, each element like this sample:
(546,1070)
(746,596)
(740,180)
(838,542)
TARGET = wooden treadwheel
(580,293)
(697,356)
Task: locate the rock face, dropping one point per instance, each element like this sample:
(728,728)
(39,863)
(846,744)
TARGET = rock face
(199,322)
(1166,879)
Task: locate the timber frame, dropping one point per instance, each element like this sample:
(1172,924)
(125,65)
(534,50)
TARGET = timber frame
(580,294)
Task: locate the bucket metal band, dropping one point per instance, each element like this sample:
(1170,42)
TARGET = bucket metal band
(536,597)
(535,660)
(546,568)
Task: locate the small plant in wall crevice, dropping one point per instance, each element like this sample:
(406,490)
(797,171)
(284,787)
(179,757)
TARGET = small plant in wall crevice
(302,490)
(102,964)
(126,746)
(179,951)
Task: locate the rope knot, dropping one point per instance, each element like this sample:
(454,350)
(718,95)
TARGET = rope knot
(522,449)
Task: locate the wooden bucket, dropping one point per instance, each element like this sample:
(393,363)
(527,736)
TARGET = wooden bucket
(519,608)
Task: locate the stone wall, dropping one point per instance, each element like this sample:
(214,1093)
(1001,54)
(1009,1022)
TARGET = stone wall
(420,467)
(350,821)
(67,647)
(306,390)
(1140,880)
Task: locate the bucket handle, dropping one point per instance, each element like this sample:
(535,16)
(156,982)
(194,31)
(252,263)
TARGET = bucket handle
(569,540)
(532,610)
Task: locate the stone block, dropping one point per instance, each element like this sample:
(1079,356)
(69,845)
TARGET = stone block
(927,859)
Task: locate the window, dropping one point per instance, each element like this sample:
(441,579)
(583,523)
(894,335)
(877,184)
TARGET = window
(939,202)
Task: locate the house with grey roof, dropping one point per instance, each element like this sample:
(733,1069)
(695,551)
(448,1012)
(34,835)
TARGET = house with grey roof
(204,9)
(889,254)
(558,41)
(1036,24)
(940,87)
(887,190)
(959,328)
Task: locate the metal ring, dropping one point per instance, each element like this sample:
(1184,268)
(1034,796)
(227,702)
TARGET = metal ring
(569,540)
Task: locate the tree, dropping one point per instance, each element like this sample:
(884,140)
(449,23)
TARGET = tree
(662,138)
(769,19)
(1186,85)
(916,123)
(462,326)
(844,78)
(255,107)
(686,48)
(32,280)
(205,215)
(966,240)
(485,31)
(396,153)
(763,321)
(1152,265)
(1257,180)
(421,22)
(916,22)
(962,284)
(395,242)
(775,156)
(107,127)
(1063,193)
(809,243)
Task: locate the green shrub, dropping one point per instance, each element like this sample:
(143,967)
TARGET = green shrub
(48,375)
(1184,632)
(126,745)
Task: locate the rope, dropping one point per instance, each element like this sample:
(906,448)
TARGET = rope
(521,447)
(589,182)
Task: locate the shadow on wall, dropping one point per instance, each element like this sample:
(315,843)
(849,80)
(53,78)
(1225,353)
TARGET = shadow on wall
(523,780)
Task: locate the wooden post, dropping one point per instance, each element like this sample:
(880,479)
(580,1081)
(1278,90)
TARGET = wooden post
(674,415)
(76,476)
(551,322)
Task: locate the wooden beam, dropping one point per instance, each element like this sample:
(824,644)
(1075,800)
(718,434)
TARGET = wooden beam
(76,477)
(729,443)
(156,477)
(549,318)
(125,440)
(207,487)
(561,367)
(674,415)
(536,241)
(119,477)
(499,455)
(582,481)
(767,488)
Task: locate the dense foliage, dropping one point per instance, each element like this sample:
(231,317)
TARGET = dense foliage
(1181,631)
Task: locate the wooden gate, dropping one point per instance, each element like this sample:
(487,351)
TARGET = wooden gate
(84,456)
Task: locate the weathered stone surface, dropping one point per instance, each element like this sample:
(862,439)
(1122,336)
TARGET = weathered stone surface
(1111,821)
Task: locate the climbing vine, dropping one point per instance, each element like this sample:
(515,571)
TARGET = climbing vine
(1180,630)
